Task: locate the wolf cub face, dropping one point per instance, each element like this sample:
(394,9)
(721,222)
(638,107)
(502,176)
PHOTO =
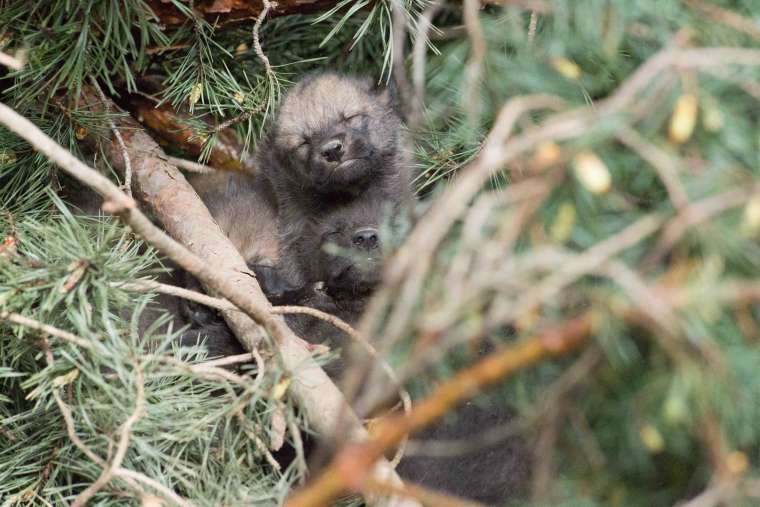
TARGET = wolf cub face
(350,254)
(334,132)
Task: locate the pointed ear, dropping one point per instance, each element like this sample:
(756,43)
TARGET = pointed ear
(389,95)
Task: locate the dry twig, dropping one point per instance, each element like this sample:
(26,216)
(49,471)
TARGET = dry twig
(46,329)
(694,214)
(478,48)
(666,165)
(419,54)
(532,25)
(424,495)
(223,304)
(120,140)
(189,165)
(726,17)
(15,62)
(584,263)
(267,7)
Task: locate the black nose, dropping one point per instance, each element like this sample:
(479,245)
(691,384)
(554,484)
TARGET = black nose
(366,239)
(332,150)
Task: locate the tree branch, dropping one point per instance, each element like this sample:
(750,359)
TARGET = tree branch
(174,129)
(235,11)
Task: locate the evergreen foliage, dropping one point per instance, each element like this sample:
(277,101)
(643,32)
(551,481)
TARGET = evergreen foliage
(665,403)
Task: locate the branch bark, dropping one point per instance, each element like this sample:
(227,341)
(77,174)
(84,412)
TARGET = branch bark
(173,129)
(222,12)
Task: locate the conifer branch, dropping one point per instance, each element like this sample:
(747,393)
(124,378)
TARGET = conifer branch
(115,202)
(500,147)
(122,445)
(130,477)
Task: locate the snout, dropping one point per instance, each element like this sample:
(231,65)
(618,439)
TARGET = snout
(366,239)
(358,270)
(349,279)
(343,161)
(332,151)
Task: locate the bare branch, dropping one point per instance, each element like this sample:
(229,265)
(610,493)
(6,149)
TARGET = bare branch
(222,304)
(46,329)
(478,47)
(424,495)
(410,264)
(189,165)
(119,139)
(584,263)
(211,370)
(267,7)
(532,25)
(694,214)
(236,359)
(419,55)
(667,166)
(16,62)
(726,17)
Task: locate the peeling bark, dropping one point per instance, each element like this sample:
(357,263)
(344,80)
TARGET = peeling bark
(222,12)
(172,129)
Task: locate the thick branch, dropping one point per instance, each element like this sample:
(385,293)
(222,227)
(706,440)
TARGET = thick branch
(173,129)
(221,12)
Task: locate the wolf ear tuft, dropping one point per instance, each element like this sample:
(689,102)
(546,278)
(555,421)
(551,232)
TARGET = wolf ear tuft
(389,95)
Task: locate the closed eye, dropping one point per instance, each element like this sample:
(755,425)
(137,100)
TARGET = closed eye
(327,235)
(303,148)
(354,119)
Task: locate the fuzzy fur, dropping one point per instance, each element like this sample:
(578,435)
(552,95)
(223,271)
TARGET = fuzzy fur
(375,168)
